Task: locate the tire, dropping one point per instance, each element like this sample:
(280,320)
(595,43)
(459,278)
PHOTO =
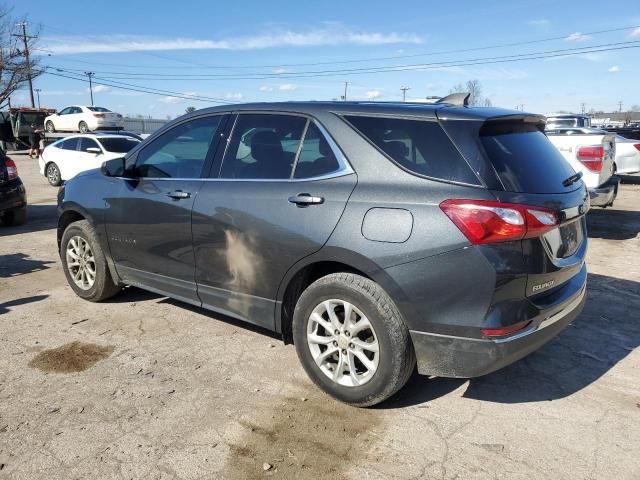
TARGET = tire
(50,127)
(14,217)
(83,127)
(103,286)
(52,172)
(395,356)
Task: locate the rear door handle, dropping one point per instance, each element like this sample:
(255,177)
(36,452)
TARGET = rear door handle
(305,199)
(178,194)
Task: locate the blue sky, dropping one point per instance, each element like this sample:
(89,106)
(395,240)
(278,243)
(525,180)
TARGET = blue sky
(163,44)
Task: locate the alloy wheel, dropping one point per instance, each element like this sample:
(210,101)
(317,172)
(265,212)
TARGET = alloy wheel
(81,262)
(343,343)
(53,175)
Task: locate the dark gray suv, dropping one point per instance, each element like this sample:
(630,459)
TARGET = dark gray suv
(375,237)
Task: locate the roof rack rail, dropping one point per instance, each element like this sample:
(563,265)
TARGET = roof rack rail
(460,99)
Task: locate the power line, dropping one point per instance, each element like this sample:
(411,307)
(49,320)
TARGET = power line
(338,62)
(396,68)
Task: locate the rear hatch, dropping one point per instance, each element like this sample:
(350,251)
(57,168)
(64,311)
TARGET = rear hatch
(523,168)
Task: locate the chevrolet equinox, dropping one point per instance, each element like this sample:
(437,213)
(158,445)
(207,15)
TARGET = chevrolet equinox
(378,238)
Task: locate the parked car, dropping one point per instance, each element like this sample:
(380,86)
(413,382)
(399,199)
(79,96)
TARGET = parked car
(375,237)
(627,155)
(83,119)
(592,153)
(13,196)
(567,120)
(69,156)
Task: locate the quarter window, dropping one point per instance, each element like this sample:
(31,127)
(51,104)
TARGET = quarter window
(180,152)
(420,146)
(263,146)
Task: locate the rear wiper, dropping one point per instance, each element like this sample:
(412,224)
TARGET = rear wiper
(572,179)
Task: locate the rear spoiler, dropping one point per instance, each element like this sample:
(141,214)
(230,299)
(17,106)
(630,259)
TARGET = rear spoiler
(515,123)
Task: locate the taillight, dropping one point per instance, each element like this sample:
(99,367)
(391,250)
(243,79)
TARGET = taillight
(12,169)
(591,157)
(98,115)
(637,146)
(488,221)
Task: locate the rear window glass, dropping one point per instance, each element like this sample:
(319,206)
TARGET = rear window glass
(526,161)
(421,147)
(98,109)
(118,145)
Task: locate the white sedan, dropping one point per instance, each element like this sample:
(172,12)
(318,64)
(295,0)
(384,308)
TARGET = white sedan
(77,118)
(627,155)
(69,156)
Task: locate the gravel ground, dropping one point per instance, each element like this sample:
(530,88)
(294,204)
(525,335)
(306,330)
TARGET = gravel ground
(145,387)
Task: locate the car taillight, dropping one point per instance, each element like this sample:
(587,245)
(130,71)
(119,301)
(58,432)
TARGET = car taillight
(591,157)
(488,221)
(12,169)
(98,115)
(637,146)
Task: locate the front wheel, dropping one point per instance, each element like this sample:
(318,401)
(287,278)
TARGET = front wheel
(83,127)
(53,175)
(352,340)
(84,263)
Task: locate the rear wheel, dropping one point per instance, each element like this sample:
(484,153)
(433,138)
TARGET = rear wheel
(15,217)
(84,263)
(50,127)
(53,174)
(83,127)
(351,339)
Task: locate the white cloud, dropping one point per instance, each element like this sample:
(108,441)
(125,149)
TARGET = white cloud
(266,88)
(233,96)
(170,100)
(635,33)
(288,87)
(578,37)
(614,69)
(100,88)
(328,34)
(280,70)
(373,94)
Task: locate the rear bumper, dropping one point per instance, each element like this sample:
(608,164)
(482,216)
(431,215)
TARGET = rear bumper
(460,357)
(12,196)
(605,194)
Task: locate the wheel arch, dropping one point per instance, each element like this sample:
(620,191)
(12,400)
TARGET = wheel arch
(325,262)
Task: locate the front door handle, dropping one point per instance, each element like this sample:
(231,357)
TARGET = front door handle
(305,199)
(178,194)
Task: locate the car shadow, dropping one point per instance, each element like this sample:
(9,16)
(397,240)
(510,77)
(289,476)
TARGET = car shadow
(39,217)
(14,264)
(6,306)
(605,333)
(613,224)
(630,179)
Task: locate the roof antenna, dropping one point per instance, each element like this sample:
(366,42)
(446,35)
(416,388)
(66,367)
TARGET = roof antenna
(460,99)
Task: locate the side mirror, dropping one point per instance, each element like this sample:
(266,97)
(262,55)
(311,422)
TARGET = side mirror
(113,168)
(95,150)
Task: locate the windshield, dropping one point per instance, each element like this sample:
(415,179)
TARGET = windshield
(98,109)
(118,144)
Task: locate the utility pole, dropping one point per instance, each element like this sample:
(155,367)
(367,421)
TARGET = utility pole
(90,74)
(404,93)
(38,90)
(522,107)
(346,84)
(620,106)
(583,107)
(25,39)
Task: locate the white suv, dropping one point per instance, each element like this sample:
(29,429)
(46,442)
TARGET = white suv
(83,119)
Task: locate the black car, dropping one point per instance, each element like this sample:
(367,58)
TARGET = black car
(375,237)
(13,196)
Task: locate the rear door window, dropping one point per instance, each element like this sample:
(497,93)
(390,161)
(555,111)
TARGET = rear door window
(419,146)
(525,160)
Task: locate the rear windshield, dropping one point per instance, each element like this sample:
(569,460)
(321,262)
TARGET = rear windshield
(525,160)
(119,144)
(98,109)
(420,146)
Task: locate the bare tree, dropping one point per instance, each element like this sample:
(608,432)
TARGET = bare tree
(635,108)
(15,70)
(190,109)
